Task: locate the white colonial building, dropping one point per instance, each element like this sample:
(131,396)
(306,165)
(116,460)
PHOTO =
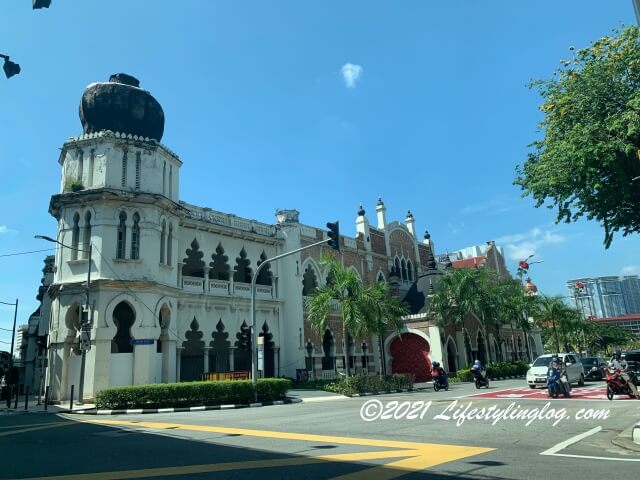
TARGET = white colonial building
(169,293)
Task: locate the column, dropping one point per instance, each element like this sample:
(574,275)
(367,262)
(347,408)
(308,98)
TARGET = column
(462,361)
(231,359)
(206,359)
(178,361)
(436,344)
(276,361)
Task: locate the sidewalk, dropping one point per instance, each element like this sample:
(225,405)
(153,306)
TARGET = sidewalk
(33,407)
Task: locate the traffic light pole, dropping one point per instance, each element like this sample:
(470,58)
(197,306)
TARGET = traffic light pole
(254,336)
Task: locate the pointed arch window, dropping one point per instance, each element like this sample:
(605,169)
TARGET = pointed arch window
(169,244)
(135,237)
(122,235)
(404,270)
(75,236)
(124,169)
(380,277)
(86,241)
(163,240)
(409,271)
(397,267)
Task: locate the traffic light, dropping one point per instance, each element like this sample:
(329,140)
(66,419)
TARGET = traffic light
(41,4)
(334,235)
(10,68)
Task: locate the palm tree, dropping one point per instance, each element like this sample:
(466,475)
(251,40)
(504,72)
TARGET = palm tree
(461,293)
(561,316)
(363,310)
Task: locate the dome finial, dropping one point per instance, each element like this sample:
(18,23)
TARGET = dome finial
(427,235)
(361,211)
(380,202)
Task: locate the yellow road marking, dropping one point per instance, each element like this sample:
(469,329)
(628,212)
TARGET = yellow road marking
(413,456)
(32,429)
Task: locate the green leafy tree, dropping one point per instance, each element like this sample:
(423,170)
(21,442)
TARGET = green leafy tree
(562,319)
(585,163)
(362,310)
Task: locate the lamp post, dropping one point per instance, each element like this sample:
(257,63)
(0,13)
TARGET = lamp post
(13,336)
(523,268)
(85,325)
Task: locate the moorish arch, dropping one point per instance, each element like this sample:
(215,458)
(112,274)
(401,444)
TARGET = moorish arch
(124,316)
(482,348)
(311,276)
(409,353)
(192,354)
(269,358)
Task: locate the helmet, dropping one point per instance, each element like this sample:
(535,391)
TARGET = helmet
(477,362)
(436,364)
(617,353)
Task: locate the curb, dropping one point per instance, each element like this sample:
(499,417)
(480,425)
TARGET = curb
(629,439)
(137,411)
(379,393)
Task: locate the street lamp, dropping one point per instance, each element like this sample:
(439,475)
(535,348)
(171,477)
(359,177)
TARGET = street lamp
(309,356)
(37,4)
(13,336)
(10,68)
(85,326)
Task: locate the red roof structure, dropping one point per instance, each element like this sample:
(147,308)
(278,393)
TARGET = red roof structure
(469,262)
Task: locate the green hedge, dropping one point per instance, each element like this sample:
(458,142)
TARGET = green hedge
(497,370)
(189,394)
(371,384)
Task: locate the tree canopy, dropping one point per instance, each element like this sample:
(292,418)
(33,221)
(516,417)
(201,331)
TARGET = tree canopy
(585,163)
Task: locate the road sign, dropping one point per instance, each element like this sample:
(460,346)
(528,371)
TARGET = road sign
(142,341)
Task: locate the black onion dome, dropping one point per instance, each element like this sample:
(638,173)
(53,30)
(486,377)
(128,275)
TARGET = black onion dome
(120,105)
(361,211)
(427,235)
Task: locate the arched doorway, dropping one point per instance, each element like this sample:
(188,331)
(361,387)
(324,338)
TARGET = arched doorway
(532,346)
(328,347)
(452,356)
(123,318)
(410,354)
(192,357)
(468,352)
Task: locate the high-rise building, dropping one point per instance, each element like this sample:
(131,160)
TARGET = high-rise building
(610,296)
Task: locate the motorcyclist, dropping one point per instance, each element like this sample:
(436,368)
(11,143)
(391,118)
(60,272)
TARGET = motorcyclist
(438,373)
(476,369)
(618,363)
(558,365)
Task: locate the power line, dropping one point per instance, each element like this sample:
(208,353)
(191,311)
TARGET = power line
(26,253)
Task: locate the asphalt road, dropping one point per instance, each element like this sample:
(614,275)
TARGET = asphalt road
(326,438)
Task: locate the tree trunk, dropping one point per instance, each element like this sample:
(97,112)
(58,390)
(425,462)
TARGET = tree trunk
(555,335)
(345,350)
(383,362)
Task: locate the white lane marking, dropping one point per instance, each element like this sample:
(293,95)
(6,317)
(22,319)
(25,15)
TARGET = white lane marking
(597,458)
(479,395)
(562,445)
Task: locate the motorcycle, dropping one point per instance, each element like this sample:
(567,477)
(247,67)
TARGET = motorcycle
(616,385)
(440,383)
(479,379)
(556,384)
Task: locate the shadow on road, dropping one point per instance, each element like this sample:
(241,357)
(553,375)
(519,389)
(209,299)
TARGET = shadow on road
(40,446)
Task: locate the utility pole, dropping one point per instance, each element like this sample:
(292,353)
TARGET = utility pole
(13,337)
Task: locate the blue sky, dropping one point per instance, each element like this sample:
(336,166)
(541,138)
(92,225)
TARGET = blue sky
(431,113)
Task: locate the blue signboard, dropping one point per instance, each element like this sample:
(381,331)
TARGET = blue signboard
(142,341)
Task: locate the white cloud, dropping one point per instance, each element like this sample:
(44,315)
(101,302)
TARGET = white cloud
(351,74)
(4,230)
(520,245)
(630,270)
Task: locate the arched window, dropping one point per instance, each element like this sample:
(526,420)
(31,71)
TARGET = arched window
(86,241)
(163,240)
(80,165)
(397,267)
(380,277)
(404,270)
(123,318)
(122,235)
(135,237)
(164,178)
(170,181)
(75,236)
(409,271)
(169,243)
(91,166)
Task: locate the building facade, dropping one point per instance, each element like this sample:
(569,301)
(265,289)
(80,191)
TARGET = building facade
(170,283)
(605,297)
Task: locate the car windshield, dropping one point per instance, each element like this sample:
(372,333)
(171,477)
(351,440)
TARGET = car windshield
(542,362)
(589,361)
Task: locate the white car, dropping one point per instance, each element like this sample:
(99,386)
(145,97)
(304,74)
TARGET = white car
(537,374)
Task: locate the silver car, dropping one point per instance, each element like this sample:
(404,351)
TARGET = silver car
(537,373)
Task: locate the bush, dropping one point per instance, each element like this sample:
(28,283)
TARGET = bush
(465,375)
(72,185)
(371,384)
(172,395)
